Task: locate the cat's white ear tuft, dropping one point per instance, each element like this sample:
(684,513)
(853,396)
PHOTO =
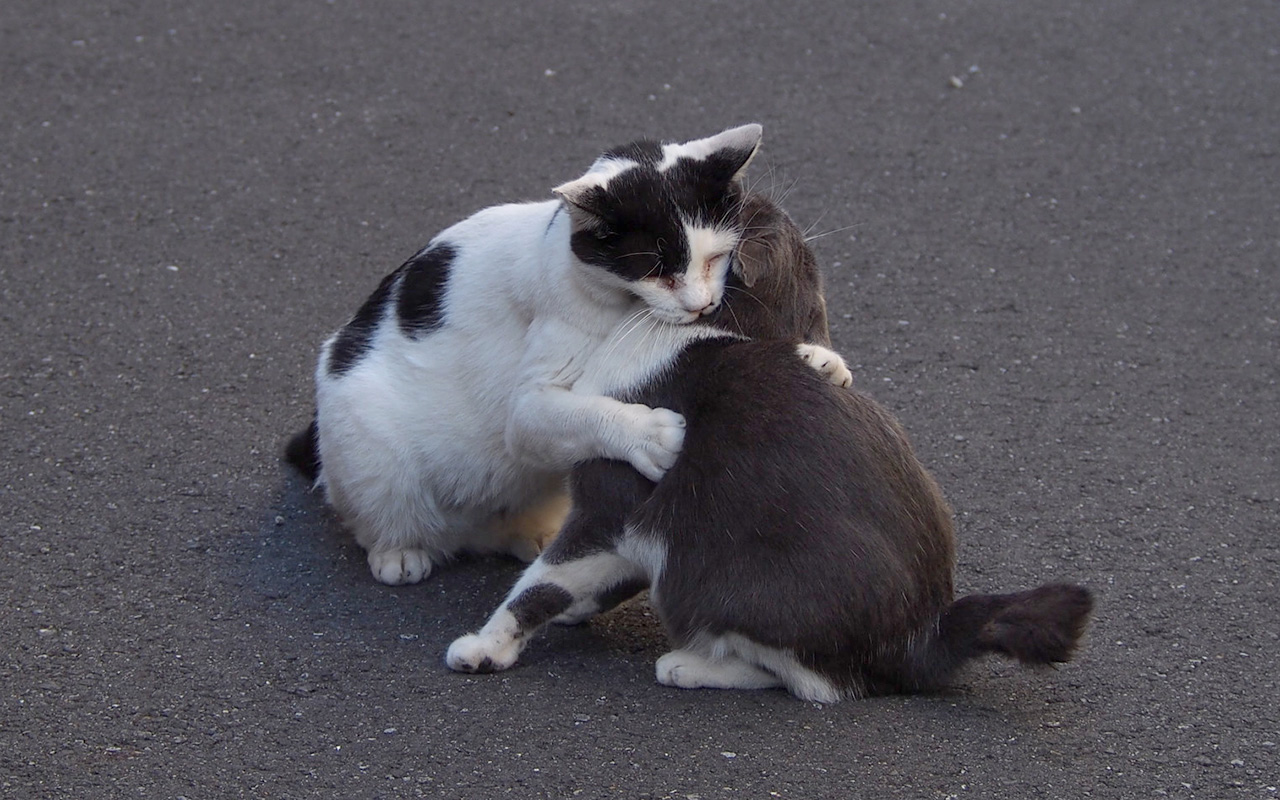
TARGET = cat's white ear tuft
(575,192)
(734,148)
(581,197)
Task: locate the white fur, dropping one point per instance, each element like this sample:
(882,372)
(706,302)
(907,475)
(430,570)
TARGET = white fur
(424,440)
(687,669)
(744,137)
(445,441)
(498,644)
(735,662)
(601,172)
(501,640)
(826,362)
(645,551)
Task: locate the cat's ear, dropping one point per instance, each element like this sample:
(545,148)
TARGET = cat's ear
(584,198)
(728,152)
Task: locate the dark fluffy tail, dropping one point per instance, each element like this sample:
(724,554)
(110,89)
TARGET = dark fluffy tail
(301,452)
(1036,627)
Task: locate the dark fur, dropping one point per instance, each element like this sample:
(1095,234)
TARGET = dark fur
(797,515)
(302,453)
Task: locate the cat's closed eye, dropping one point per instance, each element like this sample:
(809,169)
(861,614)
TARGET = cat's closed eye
(713,262)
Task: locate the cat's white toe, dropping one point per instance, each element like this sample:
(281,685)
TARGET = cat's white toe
(827,363)
(662,440)
(476,653)
(399,567)
(678,669)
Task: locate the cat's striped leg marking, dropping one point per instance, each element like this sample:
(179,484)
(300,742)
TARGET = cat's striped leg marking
(567,592)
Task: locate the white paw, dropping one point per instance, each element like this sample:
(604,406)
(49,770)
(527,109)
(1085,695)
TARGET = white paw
(827,362)
(477,653)
(398,567)
(680,669)
(688,670)
(660,435)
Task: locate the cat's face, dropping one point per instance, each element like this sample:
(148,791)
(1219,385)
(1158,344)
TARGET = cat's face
(663,220)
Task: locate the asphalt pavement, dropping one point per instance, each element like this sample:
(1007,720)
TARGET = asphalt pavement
(1049,230)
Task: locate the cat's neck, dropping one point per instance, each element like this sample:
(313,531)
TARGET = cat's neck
(638,351)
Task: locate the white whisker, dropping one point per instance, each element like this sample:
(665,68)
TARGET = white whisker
(828,233)
(625,329)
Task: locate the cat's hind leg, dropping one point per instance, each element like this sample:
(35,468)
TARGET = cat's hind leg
(688,669)
(563,591)
(735,662)
(396,540)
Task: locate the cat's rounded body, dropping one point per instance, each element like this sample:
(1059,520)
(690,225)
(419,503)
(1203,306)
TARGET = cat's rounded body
(413,456)
(803,539)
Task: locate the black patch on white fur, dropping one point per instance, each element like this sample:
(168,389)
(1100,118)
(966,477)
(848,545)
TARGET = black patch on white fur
(642,151)
(641,212)
(420,305)
(356,337)
(418,286)
(539,604)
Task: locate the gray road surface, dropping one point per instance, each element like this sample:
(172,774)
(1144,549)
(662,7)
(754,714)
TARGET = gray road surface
(1052,249)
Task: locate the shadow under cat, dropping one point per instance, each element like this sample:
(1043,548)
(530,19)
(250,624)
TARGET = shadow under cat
(305,571)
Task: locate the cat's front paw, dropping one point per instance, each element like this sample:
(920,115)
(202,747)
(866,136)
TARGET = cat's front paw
(476,652)
(658,443)
(827,362)
(399,567)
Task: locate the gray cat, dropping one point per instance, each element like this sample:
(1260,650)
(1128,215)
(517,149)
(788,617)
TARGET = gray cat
(796,541)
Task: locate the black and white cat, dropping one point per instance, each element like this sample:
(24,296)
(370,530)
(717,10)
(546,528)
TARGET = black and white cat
(797,541)
(451,407)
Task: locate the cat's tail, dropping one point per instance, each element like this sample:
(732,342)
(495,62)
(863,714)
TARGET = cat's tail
(1037,627)
(303,453)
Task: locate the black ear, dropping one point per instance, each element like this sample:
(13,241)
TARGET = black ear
(727,153)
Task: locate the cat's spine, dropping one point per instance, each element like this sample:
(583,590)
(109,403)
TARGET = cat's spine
(302,452)
(1037,627)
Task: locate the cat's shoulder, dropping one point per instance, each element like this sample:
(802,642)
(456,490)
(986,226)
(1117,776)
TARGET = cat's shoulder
(502,222)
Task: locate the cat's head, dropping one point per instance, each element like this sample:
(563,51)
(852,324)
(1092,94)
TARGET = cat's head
(775,289)
(663,219)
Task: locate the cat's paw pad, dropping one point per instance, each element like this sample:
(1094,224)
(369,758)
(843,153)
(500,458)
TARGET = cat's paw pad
(661,436)
(399,567)
(827,362)
(477,653)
